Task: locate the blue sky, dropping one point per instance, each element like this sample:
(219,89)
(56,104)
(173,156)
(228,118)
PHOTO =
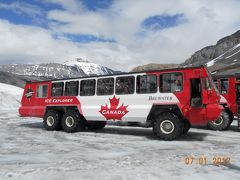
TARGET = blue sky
(14,11)
(96,5)
(35,14)
(120,34)
(160,22)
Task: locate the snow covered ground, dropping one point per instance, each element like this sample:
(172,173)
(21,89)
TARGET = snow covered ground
(27,151)
(10,97)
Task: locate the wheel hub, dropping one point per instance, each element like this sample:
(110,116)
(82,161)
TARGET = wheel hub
(167,127)
(218,121)
(50,121)
(69,121)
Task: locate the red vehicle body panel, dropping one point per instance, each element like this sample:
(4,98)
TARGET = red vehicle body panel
(36,107)
(231,95)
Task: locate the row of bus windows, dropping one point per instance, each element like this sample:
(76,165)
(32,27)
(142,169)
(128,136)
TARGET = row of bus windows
(170,82)
(224,84)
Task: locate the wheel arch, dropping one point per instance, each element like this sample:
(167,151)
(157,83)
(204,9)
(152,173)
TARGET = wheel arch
(226,107)
(63,109)
(157,110)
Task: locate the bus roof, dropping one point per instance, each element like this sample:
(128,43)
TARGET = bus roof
(123,73)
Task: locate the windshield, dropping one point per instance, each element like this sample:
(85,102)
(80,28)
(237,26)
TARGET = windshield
(210,80)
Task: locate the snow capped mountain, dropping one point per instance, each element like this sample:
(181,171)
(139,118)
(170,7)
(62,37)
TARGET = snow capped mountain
(70,69)
(50,70)
(88,68)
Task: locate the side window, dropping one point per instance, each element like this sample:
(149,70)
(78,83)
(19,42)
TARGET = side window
(105,86)
(171,82)
(125,85)
(146,84)
(57,89)
(87,87)
(71,88)
(42,91)
(224,86)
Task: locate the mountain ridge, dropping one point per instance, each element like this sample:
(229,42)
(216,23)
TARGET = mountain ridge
(211,52)
(70,69)
(223,58)
(18,74)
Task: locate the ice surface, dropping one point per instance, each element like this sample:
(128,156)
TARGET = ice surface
(11,90)
(28,152)
(10,96)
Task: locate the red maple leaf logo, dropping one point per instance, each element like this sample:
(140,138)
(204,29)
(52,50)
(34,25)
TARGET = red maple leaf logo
(114,112)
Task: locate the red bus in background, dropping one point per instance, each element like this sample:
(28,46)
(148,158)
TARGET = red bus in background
(229,88)
(169,101)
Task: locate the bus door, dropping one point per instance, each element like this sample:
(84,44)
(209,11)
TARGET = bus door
(238,102)
(197,111)
(238,97)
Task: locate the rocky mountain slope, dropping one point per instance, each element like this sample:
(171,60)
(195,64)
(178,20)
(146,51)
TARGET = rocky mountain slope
(226,63)
(211,52)
(17,80)
(149,67)
(222,58)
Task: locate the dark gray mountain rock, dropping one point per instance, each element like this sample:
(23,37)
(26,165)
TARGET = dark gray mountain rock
(17,80)
(149,67)
(211,52)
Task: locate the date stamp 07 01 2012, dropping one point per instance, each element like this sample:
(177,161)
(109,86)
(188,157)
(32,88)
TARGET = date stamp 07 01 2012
(203,160)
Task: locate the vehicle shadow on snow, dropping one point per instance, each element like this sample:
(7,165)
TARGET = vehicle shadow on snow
(129,131)
(147,132)
(37,125)
(231,128)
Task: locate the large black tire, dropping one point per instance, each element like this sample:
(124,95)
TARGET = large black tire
(231,118)
(94,125)
(222,123)
(186,126)
(168,126)
(72,121)
(52,120)
(154,129)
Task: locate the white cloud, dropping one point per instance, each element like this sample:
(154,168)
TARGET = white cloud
(25,44)
(206,22)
